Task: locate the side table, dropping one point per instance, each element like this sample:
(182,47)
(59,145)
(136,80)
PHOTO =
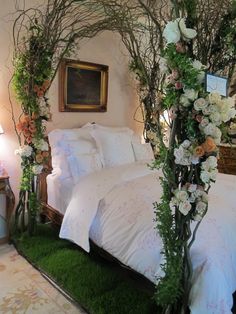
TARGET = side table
(5,189)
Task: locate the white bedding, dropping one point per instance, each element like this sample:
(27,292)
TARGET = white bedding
(114,207)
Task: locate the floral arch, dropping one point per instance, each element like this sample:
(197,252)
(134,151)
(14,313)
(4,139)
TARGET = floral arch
(169,60)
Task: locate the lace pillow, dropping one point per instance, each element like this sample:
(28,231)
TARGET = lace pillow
(115,148)
(83,164)
(143,151)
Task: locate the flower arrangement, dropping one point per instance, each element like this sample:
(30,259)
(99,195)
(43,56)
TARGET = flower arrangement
(189,162)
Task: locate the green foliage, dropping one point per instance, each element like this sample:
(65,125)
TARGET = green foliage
(169,287)
(183,63)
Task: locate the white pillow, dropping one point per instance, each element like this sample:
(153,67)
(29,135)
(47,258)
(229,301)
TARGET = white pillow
(143,151)
(57,139)
(79,146)
(115,148)
(83,164)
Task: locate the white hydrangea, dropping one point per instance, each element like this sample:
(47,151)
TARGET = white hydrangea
(24,151)
(184,154)
(184,101)
(191,94)
(37,169)
(209,170)
(41,145)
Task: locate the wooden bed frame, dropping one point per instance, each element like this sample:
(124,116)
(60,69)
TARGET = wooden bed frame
(55,217)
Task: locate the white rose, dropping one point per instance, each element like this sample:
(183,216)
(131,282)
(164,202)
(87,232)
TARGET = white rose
(186,33)
(185,207)
(205,176)
(37,169)
(210,129)
(204,122)
(191,94)
(171,32)
(201,206)
(184,100)
(200,104)
(181,195)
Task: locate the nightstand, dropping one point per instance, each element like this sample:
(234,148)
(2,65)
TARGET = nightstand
(227,159)
(5,189)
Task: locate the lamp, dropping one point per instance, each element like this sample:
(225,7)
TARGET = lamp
(1,130)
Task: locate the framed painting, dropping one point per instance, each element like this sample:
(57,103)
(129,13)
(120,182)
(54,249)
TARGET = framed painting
(83,86)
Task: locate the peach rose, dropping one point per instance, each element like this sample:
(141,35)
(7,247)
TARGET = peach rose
(209,145)
(39,158)
(45,154)
(199,151)
(33,129)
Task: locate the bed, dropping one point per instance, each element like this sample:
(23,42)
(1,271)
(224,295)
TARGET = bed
(100,188)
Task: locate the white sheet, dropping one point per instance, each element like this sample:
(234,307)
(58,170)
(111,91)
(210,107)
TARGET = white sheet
(124,227)
(59,191)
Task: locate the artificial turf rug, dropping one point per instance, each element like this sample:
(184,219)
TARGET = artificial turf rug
(98,286)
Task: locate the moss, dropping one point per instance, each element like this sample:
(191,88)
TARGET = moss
(93,283)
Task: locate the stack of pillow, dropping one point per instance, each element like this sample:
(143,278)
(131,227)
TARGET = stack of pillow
(78,152)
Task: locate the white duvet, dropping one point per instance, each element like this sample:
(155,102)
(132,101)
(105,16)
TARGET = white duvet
(114,208)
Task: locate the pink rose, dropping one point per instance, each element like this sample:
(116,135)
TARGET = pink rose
(178,85)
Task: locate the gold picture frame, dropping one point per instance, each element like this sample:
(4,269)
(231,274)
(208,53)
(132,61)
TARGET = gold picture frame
(83,86)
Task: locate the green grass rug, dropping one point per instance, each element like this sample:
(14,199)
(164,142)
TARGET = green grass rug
(98,286)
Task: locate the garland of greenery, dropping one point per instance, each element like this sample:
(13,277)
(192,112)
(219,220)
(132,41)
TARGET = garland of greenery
(42,37)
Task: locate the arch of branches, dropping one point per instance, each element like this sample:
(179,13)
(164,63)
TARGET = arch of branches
(168,61)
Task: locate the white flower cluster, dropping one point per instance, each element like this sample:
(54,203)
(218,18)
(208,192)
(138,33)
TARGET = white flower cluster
(37,169)
(44,110)
(41,145)
(188,96)
(189,194)
(184,154)
(209,170)
(24,151)
(215,110)
(176,30)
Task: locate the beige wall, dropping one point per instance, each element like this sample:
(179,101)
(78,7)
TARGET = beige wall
(105,49)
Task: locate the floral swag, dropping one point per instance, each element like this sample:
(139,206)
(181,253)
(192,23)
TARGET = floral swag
(189,162)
